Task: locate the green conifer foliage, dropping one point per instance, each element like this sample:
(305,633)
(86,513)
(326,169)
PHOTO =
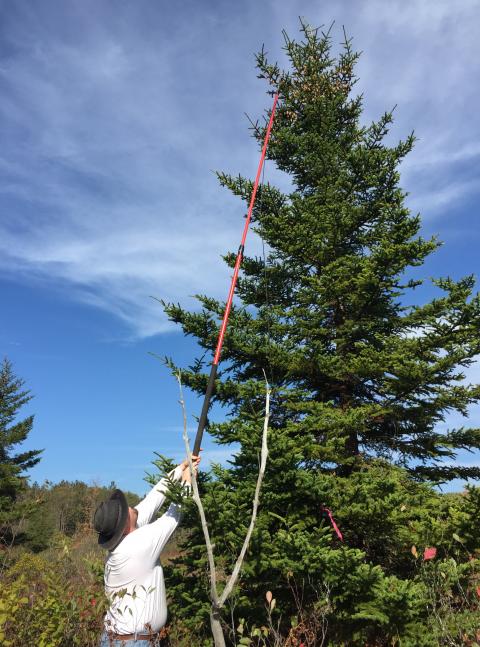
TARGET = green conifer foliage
(361,378)
(12,433)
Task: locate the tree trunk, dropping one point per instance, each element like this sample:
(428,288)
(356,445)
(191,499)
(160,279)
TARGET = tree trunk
(351,444)
(216,626)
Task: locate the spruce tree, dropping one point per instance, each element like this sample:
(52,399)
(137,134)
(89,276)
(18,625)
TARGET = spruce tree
(362,378)
(12,433)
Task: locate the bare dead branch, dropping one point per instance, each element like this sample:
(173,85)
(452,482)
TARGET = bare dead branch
(198,502)
(218,602)
(261,472)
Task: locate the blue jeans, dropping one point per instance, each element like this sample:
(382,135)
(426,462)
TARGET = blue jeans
(105,641)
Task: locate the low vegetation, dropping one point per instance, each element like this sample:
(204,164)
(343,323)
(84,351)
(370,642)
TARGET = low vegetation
(407,573)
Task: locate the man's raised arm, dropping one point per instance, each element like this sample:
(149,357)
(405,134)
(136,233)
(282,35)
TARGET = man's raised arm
(147,508)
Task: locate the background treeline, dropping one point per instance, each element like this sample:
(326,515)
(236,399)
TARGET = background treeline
(64,508)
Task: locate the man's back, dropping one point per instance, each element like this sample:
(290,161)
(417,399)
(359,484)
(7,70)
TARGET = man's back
(134,579)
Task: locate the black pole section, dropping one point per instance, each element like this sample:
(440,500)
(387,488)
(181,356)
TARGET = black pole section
(203,416)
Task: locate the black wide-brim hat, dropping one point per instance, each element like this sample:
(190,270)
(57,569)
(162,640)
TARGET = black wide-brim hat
(110,519)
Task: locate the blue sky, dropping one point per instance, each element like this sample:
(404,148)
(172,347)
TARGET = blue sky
(112,117)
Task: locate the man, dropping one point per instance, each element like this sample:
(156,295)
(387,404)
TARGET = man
(133,575)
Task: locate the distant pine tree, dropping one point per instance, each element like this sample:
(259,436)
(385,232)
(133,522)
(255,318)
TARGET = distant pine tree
(361,379)
(12,433)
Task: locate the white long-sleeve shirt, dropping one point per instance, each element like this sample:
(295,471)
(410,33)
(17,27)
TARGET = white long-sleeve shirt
(133,575)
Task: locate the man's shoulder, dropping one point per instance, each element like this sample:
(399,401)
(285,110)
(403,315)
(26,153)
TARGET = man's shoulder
(124,548)
(130,542)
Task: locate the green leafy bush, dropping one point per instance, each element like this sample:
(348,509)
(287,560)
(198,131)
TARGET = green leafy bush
(44,603)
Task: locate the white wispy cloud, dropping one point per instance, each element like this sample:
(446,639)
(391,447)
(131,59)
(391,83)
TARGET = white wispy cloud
(111,119)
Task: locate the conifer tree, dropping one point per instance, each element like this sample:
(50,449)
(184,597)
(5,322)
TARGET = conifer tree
(12,433)
(361,378)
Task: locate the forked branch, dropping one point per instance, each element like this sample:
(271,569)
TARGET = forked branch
(219,601)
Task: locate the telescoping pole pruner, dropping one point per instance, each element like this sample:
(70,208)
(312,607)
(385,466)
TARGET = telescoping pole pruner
(238,262)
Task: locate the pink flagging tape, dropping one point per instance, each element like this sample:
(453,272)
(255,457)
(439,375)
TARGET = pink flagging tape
(332,521)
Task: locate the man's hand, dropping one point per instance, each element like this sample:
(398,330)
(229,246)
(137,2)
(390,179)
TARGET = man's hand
(195,461)
(186,476)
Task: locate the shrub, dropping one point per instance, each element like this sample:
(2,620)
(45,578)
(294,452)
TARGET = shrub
(39,605)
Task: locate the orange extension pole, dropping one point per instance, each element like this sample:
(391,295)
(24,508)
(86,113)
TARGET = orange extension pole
(221,335)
